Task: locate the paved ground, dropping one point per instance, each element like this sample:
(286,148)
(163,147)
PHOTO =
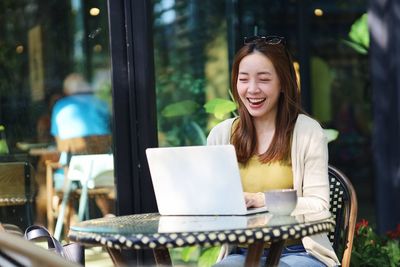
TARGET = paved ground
(97,257)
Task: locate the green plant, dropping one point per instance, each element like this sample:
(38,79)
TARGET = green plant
(195,256)
(359,35)
(371,249)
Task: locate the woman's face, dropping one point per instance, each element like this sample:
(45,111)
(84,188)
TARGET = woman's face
(258,86)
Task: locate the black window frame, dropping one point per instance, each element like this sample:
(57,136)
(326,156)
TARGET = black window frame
(134,103)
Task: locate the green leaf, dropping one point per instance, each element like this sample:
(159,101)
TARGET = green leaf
(185,107)
(359,35)
(3,147)
(219,107)
(200,134)
(331,134)
(359,31)
(393,251)
(188,253)
(208,256)
(360,49)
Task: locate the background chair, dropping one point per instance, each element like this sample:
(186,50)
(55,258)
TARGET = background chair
(95,176)
(17,189)
(94,144)
(343,202)
(344,207)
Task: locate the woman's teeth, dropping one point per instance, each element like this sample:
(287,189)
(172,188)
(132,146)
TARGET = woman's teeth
(256,100)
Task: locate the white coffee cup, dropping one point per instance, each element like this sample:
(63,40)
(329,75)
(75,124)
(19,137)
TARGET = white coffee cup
(281,201)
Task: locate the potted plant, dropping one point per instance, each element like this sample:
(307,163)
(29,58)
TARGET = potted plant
(371,249)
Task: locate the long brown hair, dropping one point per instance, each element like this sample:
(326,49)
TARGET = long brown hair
(289,106)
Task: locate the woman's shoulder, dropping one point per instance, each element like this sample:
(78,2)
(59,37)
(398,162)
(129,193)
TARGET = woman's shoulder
(307,123)
(307,127)
(225,123)
(308,135)
(221,133)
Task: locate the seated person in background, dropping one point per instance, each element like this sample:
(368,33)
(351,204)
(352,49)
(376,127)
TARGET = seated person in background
(80,124)
(80,119)
(43,122)
(44,136)
(277,145)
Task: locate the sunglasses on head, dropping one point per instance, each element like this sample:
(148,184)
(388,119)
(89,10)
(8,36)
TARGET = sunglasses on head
(272,40)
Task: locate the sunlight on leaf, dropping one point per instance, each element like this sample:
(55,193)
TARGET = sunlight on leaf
(360,49)
(208,256)
(219,107)
(188,253)
(181,108)
(359,35)
(359,31)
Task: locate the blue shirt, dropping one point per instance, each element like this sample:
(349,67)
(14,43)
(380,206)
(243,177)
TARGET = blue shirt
(80,115)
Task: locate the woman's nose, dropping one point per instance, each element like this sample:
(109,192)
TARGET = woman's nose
(253,87)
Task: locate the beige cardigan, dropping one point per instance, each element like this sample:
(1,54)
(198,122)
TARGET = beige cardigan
(310,176)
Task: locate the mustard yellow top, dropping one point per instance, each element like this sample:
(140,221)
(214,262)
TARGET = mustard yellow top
(260,177)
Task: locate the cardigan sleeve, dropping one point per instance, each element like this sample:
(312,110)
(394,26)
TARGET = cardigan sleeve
(221,133)
(313,161)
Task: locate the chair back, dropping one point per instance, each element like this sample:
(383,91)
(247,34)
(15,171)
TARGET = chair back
(92,171)
(343,203)
(17,187)
(94,144)
(96,170)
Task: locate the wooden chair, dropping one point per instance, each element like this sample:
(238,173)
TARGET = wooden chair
(74,146)
(343,202)
(344,207)
(95,175)
(17,188)
(94,144)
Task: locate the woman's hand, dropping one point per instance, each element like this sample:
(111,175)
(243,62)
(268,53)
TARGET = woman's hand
(254,200)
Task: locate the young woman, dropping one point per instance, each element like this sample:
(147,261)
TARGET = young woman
(277,145)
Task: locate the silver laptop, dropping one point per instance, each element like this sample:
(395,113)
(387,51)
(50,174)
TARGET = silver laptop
(197,180)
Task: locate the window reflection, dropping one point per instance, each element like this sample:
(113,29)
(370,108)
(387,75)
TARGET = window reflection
(194,43)
(191,64)
(54,39)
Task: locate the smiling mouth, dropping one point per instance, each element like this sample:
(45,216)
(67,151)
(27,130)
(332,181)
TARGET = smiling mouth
(256,101)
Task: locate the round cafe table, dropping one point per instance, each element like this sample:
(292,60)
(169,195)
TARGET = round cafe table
(156,232)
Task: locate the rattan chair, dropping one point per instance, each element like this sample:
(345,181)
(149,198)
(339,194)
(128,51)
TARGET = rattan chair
(17,189)
(344,207)
(343,202)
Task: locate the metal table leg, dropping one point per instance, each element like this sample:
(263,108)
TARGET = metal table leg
(275,252)
(254,253)
(162,257)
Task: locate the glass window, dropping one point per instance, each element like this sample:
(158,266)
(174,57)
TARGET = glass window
(192,72)
(195,42)
(191,65)
(55,93)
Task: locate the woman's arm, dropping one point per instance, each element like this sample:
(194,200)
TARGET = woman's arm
(315,184)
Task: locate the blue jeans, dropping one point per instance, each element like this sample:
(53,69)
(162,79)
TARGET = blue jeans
(292,256)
